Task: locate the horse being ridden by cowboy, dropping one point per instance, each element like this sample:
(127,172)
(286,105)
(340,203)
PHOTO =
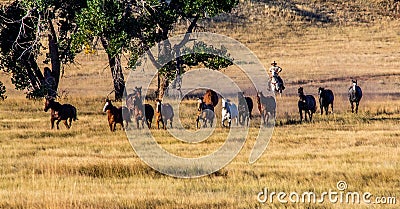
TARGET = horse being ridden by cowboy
(276,80)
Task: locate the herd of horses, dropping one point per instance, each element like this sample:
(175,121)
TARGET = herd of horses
(308,104)
(163,112)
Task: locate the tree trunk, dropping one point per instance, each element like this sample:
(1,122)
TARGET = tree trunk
(167,52)
(54,56)
(116,72)
(118,76)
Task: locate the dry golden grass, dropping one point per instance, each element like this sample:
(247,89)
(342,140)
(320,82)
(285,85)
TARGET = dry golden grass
(90,167)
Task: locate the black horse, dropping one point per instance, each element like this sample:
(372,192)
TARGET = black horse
(245,108)
(307,104)
(59,112)
(326,98)
(149,114)
(355,95)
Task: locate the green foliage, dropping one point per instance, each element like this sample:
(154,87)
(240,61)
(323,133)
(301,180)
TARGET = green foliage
(200,54)
(22,28)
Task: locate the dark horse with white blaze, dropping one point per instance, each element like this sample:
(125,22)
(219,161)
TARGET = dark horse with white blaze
(326,98)
(307,104)
(205,107)
(59,112)
(205,112)
(245,107)
(355,95)
(116,115)
(266,106)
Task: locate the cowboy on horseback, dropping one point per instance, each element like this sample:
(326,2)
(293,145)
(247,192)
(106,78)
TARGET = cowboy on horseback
(276,80)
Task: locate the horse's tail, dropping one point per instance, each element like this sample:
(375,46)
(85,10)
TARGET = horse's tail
(74,114)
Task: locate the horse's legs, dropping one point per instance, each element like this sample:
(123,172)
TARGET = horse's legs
(352,107)
(306,113)
(357,103)
(114,126)
(301,115)
(127,124)
(165,123)
(70,122)
(137,122)
(58,122)
(122,125)
(66,124)
(52,122)
(170,122)
(326,109)
(110,125)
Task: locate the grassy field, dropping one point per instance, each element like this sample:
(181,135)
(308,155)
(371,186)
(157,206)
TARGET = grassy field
(90,167)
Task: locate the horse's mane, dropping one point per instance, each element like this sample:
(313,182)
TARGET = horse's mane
(56,106)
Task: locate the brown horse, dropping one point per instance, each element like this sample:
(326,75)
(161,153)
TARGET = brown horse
(60,112)
(136,108)
(164,112)
(266,106)
(116,115)
(210,98)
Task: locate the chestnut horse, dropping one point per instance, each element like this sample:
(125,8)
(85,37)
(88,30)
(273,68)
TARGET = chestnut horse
(266,106)
(139,111)
(210,98)
(116,115)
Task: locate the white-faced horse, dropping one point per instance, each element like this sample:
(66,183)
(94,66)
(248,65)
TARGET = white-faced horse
(355,95)
(229,112)
(164,112)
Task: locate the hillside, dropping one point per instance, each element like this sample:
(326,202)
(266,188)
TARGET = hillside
(317,12)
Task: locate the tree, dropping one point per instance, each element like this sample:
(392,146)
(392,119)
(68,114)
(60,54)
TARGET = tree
(106,21)
(136,26)
(24,27)
(163,18)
